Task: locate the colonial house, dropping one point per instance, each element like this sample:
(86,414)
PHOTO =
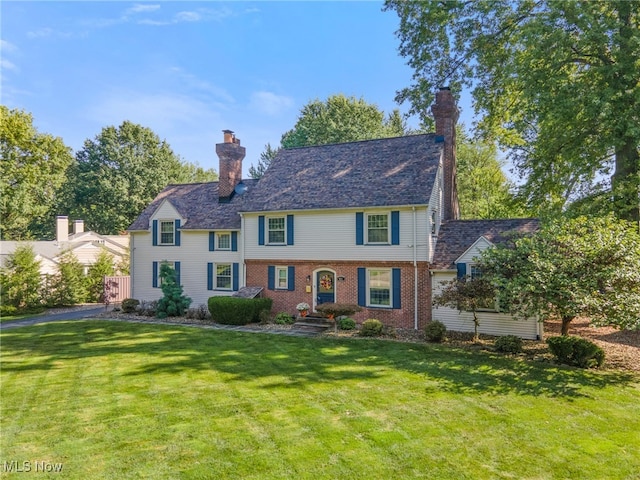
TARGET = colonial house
(85,245)
(359,222)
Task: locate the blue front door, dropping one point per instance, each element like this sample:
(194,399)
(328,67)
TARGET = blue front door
(325,281)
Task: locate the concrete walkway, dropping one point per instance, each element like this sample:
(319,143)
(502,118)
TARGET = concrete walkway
(81,313)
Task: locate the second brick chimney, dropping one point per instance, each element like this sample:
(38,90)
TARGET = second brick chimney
(230,154)
(445,113)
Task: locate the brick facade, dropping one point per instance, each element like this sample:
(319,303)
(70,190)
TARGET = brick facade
(346,291)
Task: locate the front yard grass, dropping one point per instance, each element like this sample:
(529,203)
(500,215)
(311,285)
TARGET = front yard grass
(123,400)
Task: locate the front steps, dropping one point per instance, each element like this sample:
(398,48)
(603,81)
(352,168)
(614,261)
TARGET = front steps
(310,324)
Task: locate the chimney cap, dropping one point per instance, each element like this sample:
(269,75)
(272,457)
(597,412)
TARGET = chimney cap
(227,131)
(445,88)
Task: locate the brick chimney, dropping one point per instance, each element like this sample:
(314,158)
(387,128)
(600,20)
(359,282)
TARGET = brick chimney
(230,154)
(62,228)
(445,113)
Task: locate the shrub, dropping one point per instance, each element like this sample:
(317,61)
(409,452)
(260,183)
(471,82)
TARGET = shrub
(130,305)
(371,328)
(435,331)
(508,344)
(576,351)
(147,309)
(346,323)
(264,317)
(237,310)
(201,312)
(173,303)
(333,310)
(284,318)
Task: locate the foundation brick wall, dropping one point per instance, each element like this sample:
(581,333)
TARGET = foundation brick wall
(346,291)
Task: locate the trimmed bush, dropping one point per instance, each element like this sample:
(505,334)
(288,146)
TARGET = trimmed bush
(435,331)
(334,310)
(576,351)
(346,323)
(237,310)
(371,328)
(508,344)
(130,305)
(284,318)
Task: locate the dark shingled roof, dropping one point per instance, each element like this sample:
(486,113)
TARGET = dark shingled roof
(369,173)
(198,204)
(456,236)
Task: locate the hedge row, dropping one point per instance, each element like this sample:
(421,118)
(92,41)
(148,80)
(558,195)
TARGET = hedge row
(237,310)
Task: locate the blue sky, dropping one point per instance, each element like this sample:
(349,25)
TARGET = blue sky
(188,70)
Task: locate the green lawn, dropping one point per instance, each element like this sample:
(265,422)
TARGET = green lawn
(119,400)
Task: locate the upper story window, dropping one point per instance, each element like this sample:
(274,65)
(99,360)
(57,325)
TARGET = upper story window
(167,232)
(276,230)
(377,228)
(223,241)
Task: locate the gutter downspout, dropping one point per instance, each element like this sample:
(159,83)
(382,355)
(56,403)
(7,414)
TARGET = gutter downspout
(415,271)
(244,266)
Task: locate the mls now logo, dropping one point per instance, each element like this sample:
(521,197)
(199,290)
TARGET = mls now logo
(28,466)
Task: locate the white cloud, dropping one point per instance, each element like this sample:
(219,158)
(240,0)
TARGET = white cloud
(192,82)
(7,65)
(187,17)
(142,8)
(7,47)
(41,33)
(270,103)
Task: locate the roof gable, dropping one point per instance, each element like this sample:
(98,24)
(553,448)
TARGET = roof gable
(477,247)
(383,172)
(457,237)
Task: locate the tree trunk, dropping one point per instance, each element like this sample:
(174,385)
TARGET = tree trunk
(566,320)
(626,182)
(476,324)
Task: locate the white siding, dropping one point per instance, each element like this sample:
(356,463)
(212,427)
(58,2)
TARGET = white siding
(435,204)
(331,235)
(165,212)
(491,323)
(193,255)
(474,252)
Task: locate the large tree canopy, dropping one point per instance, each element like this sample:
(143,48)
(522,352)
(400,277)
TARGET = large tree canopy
(342,119)
(555,81)
(32,170)
(117,174)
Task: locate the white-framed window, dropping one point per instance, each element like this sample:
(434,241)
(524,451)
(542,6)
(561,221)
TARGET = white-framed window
(379,287)
(167,232)
(223,240)
(378,228)
(434,222)
(276,230)
(282,278)
(223,277)
(474,271)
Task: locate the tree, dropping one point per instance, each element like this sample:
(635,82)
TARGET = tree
(173,303)
(68,286)
(484,191)
(578,267)
(20,281)
(103,267)
(555,81)
(119,173)
(264,162)
(467,294)
(342,119)
(32,171)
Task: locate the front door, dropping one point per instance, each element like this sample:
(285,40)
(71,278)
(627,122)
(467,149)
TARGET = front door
(325,282)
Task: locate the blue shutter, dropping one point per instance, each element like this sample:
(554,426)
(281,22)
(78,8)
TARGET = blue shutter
(154,232)
(289,229)
(396,281)
(154,282)
(212,241)
(271,274)
(209,276)
(176,267)
(359,228)
(362,287)
(177,234)
(235,282)
(395,227)
(462,269)
(291,278)
(261,230)
(234,241)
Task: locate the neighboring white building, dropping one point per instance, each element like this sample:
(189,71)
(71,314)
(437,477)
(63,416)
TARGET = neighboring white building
(86,246)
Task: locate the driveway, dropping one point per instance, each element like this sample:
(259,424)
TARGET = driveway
(71,313)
